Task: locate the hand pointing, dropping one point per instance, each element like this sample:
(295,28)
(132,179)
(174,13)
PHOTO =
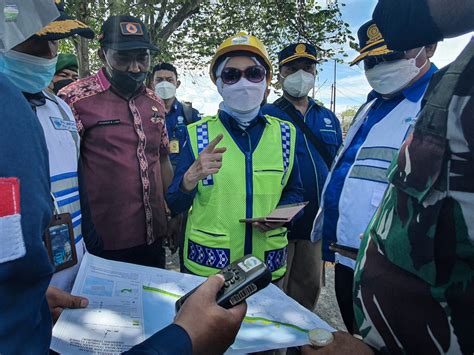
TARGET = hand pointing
(208,163)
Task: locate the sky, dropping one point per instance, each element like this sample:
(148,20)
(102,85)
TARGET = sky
(352,87)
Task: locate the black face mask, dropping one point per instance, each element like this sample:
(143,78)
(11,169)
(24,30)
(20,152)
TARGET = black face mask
(126,82)
(58,85)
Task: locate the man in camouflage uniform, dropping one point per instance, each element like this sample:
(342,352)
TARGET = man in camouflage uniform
(416,274)
(414,279)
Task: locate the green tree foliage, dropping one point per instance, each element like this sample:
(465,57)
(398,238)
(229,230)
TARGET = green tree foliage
(347,116)
(189,31)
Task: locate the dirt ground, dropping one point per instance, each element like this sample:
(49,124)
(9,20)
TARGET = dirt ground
(327,308)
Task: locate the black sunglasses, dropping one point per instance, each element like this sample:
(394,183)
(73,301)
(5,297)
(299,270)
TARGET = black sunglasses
(254,74)
(372,61)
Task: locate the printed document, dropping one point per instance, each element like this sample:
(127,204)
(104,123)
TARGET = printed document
(128,303)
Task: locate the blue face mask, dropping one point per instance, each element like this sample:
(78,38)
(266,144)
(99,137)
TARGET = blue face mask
(28,73)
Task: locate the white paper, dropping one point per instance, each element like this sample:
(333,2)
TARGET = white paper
(129,303)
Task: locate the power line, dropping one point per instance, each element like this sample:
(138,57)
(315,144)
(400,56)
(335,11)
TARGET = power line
(348,97)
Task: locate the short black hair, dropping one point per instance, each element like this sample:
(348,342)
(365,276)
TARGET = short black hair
(165,66)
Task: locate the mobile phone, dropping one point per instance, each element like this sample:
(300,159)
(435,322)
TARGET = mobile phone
(344,248)
(243,278)
(59,241)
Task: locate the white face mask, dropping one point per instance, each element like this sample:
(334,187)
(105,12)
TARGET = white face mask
(243,96)
(299,84)
(165,90)
(390,77)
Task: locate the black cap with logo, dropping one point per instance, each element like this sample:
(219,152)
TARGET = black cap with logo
(123,33)
(372,44)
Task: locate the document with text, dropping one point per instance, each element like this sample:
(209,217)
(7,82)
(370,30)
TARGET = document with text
(128,303)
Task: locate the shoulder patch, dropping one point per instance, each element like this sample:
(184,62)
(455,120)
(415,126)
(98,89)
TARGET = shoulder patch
(11,235)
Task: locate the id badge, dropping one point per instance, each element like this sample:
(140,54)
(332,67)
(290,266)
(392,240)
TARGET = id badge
(174,146)
(59,240)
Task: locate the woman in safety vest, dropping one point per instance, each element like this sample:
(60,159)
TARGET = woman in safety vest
(237,164)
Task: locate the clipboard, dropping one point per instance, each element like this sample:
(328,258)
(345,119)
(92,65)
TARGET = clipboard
(282,214)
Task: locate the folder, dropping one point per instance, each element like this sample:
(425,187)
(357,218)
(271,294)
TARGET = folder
(281,214)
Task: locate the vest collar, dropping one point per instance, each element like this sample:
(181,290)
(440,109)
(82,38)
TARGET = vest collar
(233,124)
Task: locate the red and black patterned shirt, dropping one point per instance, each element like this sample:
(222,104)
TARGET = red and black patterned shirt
(121,144)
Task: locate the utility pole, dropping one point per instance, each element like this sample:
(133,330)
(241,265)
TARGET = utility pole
(332,98)
(334,87)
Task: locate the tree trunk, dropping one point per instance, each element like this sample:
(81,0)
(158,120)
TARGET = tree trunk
(83,43)
(189,8)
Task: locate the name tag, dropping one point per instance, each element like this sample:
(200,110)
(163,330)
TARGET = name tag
(59,123)
(108,122)
(174,146)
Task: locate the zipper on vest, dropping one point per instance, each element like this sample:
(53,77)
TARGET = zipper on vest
(312,159)
(249,196)
(209,233)
(268,171)
(282,234)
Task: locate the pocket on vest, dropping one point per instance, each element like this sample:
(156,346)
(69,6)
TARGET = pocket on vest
(209,247)
(267,176)
(276,251)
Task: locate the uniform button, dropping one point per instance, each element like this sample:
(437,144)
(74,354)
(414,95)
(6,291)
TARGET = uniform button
(237,277)
(232,281)
(226,284)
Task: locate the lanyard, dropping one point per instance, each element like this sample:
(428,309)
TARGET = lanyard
(55,203)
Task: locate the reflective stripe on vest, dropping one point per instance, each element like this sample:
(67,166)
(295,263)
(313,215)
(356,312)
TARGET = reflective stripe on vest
(371,173)
(285,144)
(212,257)
(377,153)
(214,235)
(203,142)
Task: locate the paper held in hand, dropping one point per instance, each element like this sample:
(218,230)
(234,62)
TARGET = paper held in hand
(282,214)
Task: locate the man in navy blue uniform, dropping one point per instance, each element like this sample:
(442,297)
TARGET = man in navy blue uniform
(318,136)
(178,114)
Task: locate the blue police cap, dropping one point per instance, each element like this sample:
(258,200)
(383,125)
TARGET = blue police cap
(296,51)
(371,43)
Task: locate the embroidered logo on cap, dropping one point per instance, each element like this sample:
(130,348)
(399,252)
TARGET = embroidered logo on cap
(131,29)
(374,34)
(240,40)
(300,48)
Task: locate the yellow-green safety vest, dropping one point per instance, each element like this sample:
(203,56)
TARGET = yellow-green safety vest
(214,236)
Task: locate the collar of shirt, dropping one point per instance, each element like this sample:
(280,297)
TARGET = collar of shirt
(415,91)
(234,125)
(174,106)
(311,104)
(35,100)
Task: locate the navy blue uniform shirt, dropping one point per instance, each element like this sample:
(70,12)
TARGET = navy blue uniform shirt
(25,319)
(325,126)
(176,126)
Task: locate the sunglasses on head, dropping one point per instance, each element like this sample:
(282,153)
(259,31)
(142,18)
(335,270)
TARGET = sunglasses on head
(254,74)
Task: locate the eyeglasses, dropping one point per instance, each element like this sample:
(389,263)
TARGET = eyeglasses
(254,74)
